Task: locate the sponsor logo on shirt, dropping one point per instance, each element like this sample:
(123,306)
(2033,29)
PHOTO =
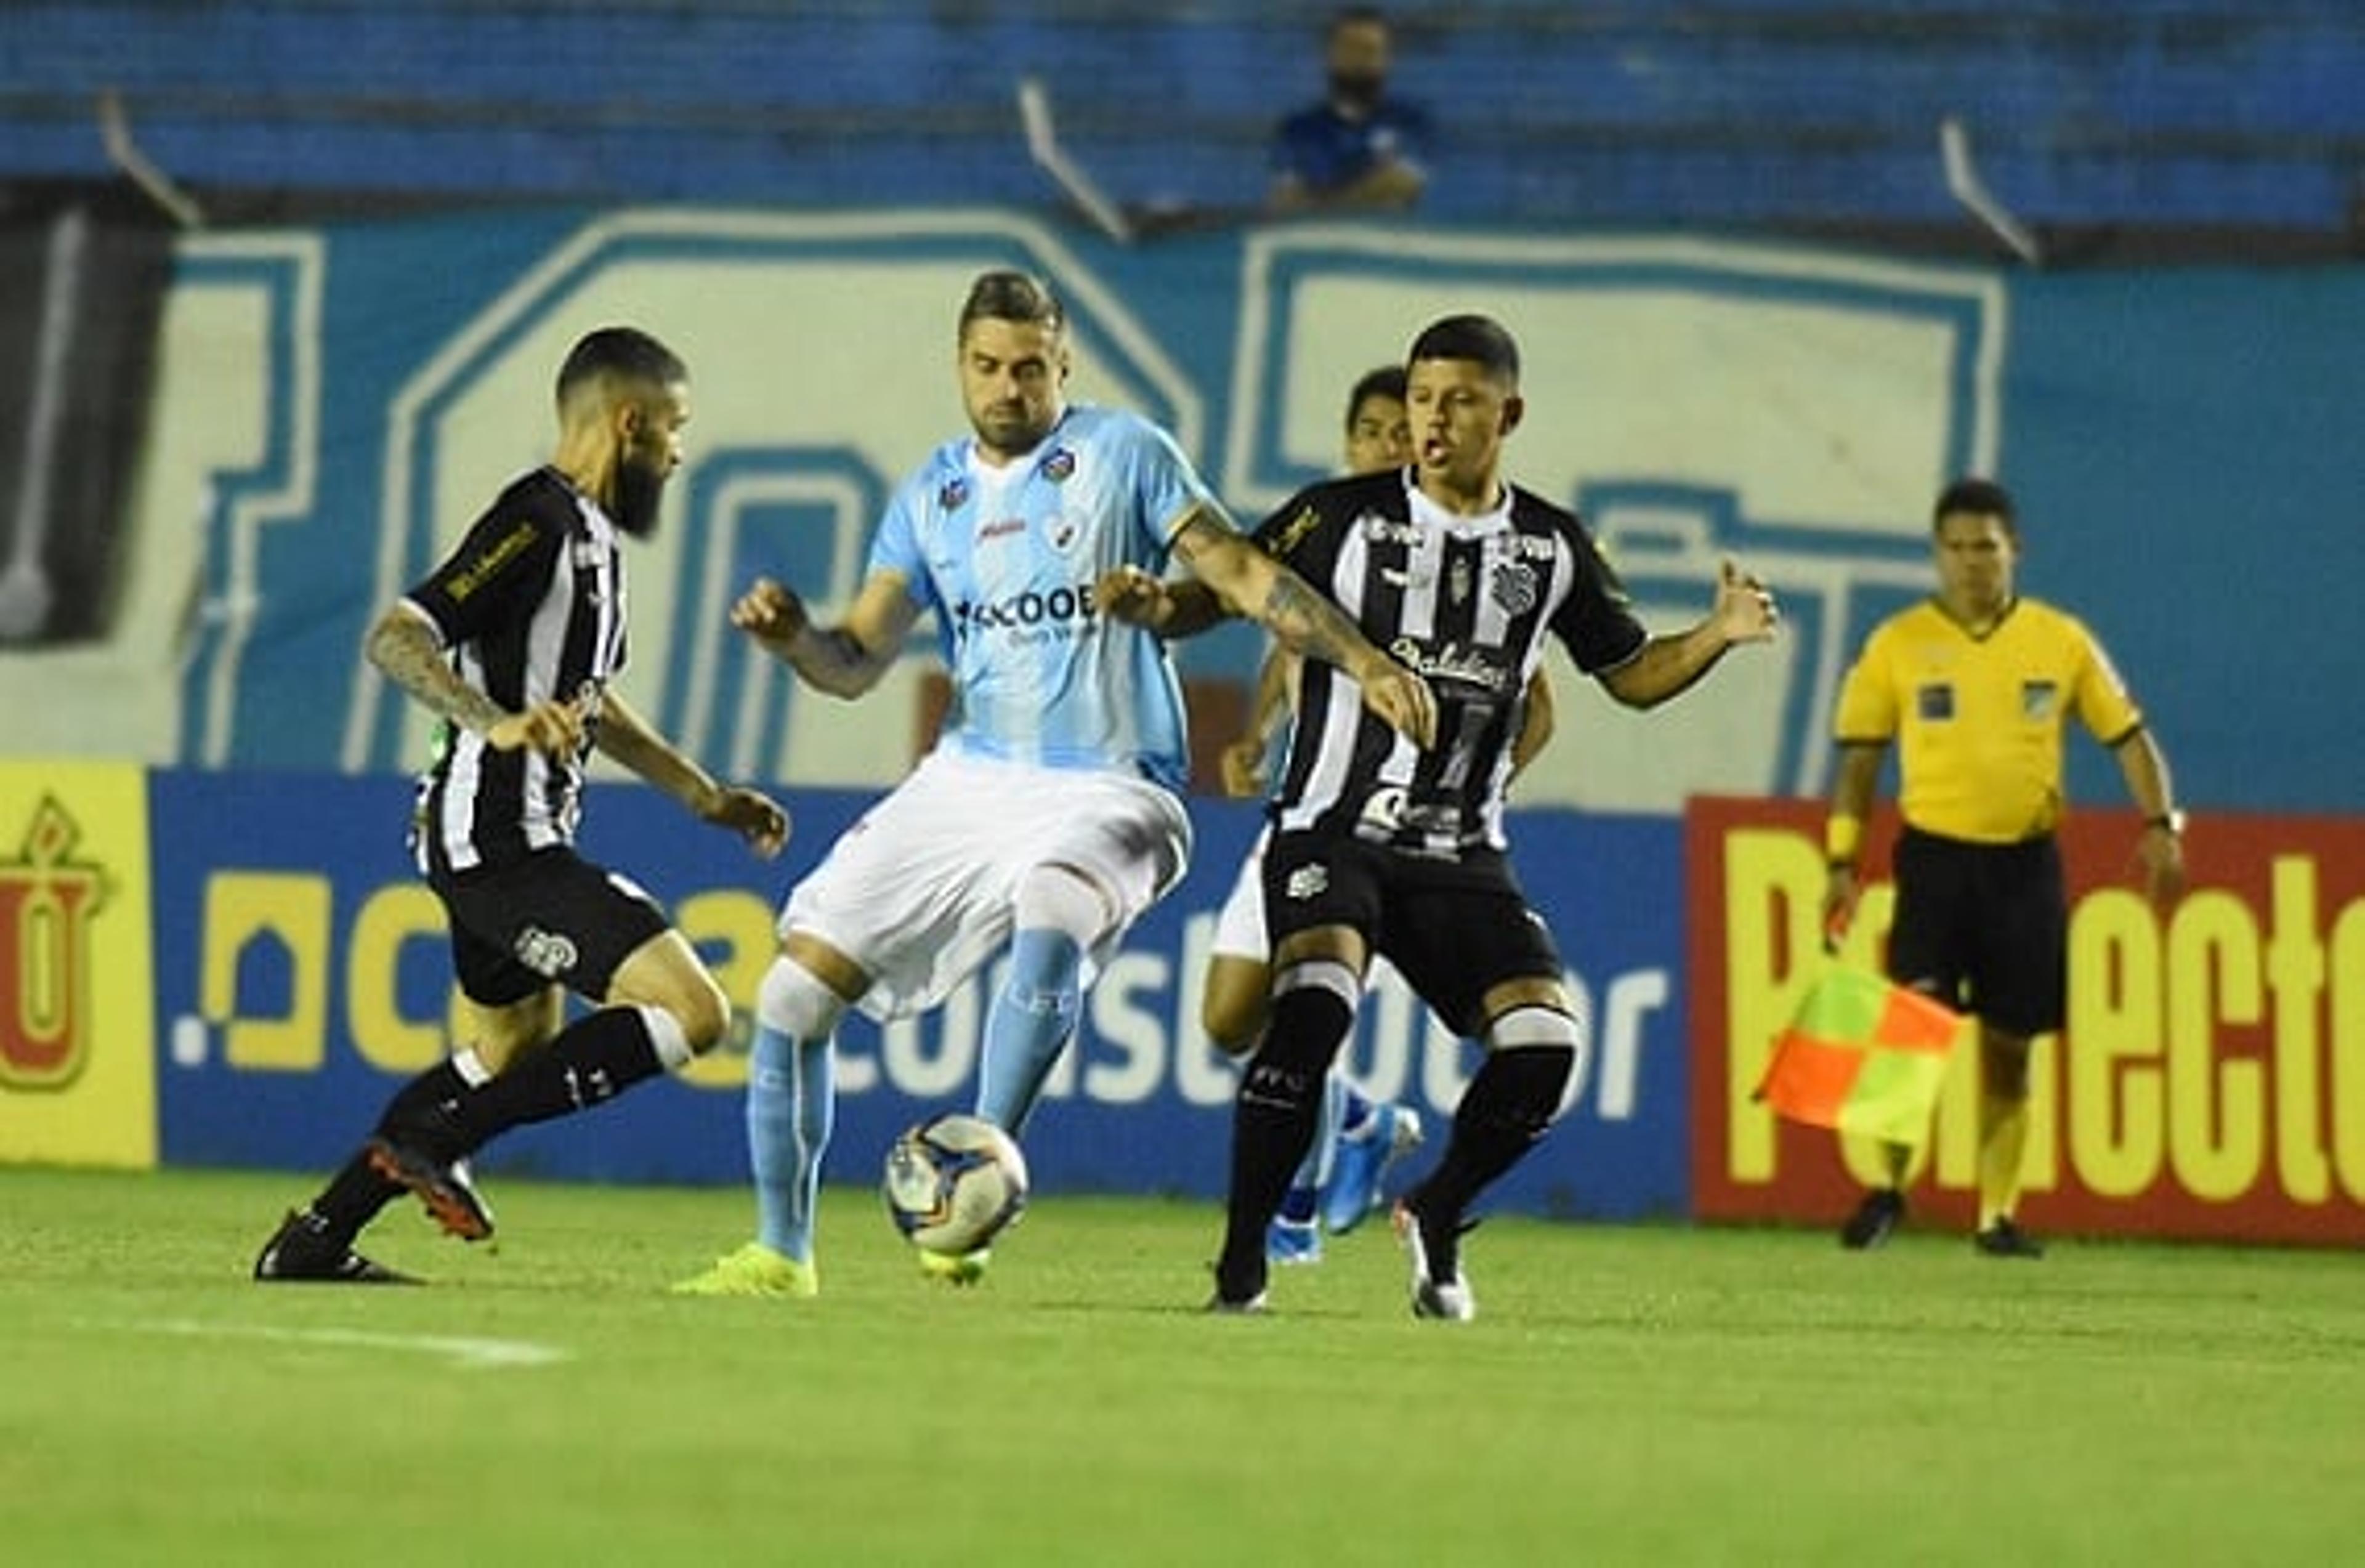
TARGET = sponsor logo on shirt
(1451,662)
(1298,528)
(482,570)
(1058,607)
(1001,528)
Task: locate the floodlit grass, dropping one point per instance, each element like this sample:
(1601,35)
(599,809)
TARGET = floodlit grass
(1627,1396)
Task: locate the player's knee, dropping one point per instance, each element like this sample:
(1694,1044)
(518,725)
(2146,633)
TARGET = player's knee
(703,1010)
(1233,1020)
(1232,1002)
(793,1001)
(1313,1009)
(2004,1073)
(1535,1051)
(1061,899)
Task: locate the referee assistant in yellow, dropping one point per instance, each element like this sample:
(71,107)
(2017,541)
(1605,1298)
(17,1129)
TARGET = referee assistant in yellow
(1976,685)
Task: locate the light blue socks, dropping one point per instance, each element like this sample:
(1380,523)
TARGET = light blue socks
(1029,1023)
(791,1101)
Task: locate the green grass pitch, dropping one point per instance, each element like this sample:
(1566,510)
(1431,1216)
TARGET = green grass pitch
(1629,1395)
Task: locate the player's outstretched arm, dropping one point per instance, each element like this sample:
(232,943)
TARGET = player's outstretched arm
(845,660)
(1307,624)
(408,650)
(1667,666)
(632,741)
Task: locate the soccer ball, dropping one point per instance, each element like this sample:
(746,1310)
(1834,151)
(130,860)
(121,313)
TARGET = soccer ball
(953,1182)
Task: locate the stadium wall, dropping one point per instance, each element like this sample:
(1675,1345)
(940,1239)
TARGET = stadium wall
(236,968)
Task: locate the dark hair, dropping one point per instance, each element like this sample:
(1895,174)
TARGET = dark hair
(1479,337)
(1387,381)
(626,353)
(1981,497)
(1355,17)
(1007,295)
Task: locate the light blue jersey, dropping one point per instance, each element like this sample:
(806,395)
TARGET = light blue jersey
(1007,557)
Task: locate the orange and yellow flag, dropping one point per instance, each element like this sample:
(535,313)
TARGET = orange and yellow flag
(1862,1055)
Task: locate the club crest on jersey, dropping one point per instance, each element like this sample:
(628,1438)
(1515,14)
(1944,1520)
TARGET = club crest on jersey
(2038,699)
(1308,881)
(954,496)
(546,953)
(1512,585)
(1058,464)
(1457,581)
(47,899)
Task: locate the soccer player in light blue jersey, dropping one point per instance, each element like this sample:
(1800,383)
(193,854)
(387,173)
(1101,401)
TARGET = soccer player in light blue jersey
(1049,813)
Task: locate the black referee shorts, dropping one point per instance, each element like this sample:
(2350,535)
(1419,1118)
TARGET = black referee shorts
(1984,928)
(551,917)
(1454,929)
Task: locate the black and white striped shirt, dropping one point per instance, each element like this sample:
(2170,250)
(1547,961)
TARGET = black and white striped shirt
(530,607)
(1464,600)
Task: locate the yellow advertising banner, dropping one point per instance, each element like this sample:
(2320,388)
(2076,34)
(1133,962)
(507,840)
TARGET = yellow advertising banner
(77,975)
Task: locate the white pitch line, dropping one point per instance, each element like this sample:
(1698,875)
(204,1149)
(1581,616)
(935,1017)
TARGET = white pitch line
(468,1352)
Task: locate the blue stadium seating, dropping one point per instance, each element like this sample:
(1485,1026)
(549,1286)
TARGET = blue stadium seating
(2193,112)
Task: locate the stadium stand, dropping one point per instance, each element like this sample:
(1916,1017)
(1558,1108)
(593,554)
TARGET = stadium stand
(2244,113)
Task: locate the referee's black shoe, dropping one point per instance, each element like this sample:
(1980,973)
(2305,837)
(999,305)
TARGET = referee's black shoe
(299,1252)
(443,1185)
(1875,1220)
(2005,1239)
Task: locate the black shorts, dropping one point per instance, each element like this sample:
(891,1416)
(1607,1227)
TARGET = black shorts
(1983,927)
(1455,929)
(552,917)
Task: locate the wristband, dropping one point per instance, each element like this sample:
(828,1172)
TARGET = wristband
(2170,821)
(1843,839)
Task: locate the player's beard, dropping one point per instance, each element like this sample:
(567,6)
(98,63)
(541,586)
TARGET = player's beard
(639,488)
(1010,429)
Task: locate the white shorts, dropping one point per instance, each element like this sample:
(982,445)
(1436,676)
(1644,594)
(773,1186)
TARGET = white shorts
(919,892)
(1240,925)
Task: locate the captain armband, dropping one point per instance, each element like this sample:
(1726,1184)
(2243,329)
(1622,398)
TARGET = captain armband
(1842,840)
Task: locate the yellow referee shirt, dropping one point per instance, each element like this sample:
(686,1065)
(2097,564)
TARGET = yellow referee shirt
(1979,720)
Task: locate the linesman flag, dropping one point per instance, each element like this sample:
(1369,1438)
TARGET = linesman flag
(1862,1055)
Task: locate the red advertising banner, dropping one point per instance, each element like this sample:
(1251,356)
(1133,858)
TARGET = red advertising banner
(2209,1082)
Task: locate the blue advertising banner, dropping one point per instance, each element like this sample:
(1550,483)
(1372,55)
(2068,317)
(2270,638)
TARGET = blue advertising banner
(302,975)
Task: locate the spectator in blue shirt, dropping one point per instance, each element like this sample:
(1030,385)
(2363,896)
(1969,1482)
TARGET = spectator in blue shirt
(1358,150)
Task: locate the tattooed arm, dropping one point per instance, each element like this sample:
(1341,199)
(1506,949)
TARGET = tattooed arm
(1253,584)
(408,650)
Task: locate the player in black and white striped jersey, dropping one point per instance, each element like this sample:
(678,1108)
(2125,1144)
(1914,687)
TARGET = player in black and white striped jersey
(513,641)
(1380,844)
